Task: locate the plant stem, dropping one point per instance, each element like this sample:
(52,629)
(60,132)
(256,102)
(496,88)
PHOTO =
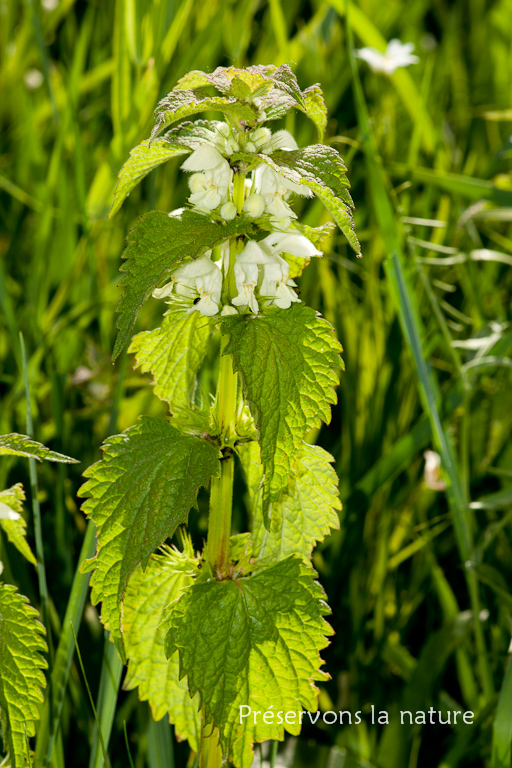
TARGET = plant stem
(219,528)
(211,753)
(239,190)
(221,493)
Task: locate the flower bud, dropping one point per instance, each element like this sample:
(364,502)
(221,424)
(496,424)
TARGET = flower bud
(261,136)
(227,310)
(228,211)
(254,206)
(250,147)
(231,145)
(224,130)
(257,102)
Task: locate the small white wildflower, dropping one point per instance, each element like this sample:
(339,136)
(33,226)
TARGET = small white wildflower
(210,188)
(33,79)
(432,473)
(200,279)
(254,206)
(397,54)
(228,211)
(277,286)
(246,278)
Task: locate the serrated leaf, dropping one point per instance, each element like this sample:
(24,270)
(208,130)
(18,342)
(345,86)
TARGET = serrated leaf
(287,82)
(307,511)
(23,445)
(21,676)
(173,353)
(160,242)
(315,108)
(287,360)
(194,135)
(137,495)
(231,81)
(252,641)
(12,521)
(148,595)
(143,158)
(321,169)
(182,103)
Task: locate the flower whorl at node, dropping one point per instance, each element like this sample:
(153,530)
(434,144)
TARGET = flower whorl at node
(199,281)
(261,274)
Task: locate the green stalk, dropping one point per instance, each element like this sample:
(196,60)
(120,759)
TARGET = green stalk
(47,732)
(221,491)
(219,528)
(110,679)
(34,490)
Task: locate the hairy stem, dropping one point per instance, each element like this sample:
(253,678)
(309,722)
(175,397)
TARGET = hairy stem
(221,493)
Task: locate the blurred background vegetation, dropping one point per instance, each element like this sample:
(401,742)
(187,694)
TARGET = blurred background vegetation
(420,620)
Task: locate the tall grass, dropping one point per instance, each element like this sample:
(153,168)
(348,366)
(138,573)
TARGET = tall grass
(418,579)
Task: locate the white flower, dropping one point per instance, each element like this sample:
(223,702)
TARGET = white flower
(246,277)
(201,279)
(210,188)
(276,285)
(260,264)
(33,79)
(432,472)
(397,54)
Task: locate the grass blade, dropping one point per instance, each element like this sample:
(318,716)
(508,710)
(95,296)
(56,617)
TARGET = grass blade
(110,679)
(102,742)
(48,731)
(502,725)
(160,748)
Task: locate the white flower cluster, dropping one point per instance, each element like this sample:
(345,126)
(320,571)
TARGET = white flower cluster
(260,272)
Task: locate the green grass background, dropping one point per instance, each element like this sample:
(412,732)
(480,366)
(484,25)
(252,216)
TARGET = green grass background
(418,580)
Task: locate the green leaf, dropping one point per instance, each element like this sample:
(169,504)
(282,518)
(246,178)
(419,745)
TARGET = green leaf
(251,641)
(138,494)
(22,445)
(193,135)
(182,103)
(12,521)
(321,169)
(316,109)
(173,353)
(142,160)
(287,360)
(21,678)
(277,87)
(147,597)
(161,242)
(307,511)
